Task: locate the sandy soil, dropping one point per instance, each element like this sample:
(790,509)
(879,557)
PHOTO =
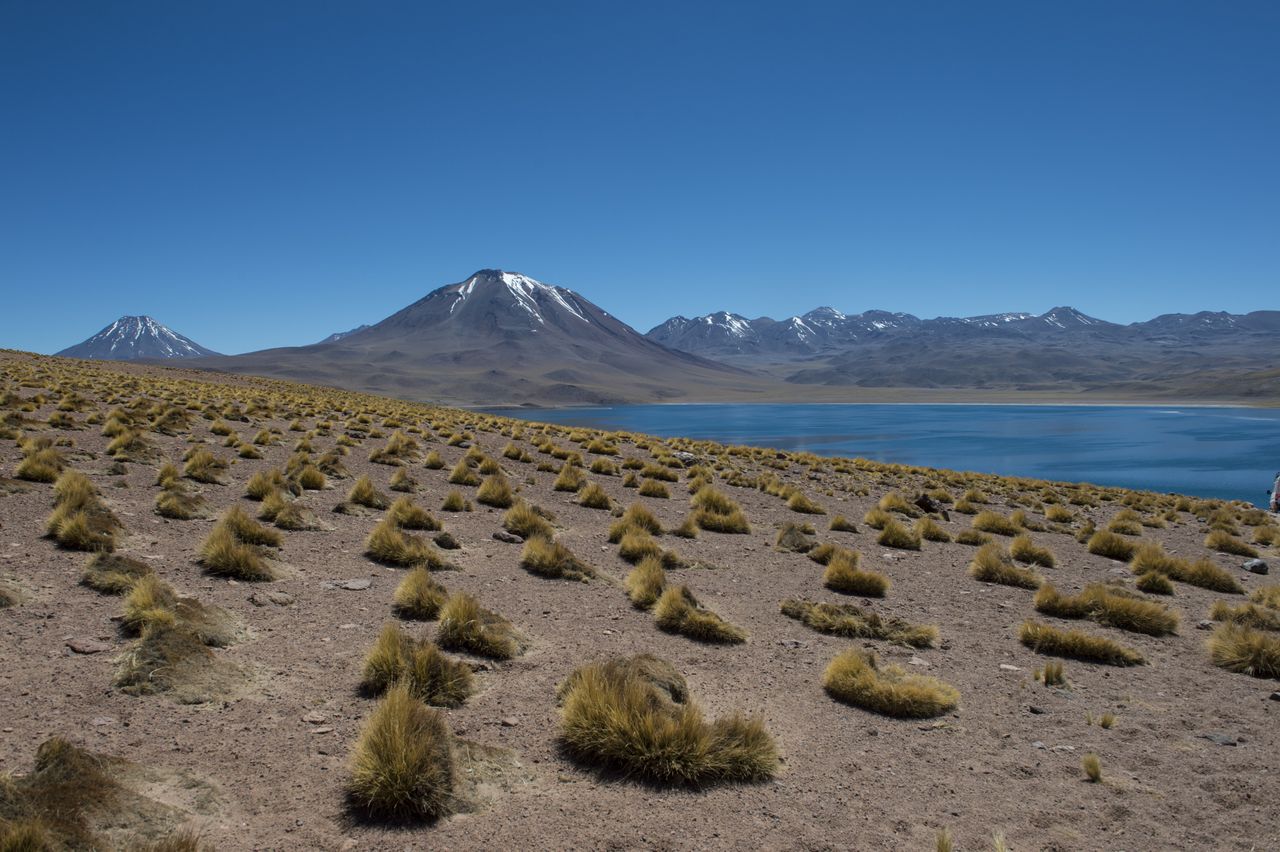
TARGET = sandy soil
(1008,760)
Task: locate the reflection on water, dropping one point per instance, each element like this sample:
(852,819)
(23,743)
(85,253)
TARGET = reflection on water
(1230,453)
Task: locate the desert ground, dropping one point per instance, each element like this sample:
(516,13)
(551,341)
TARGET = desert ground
(248,737)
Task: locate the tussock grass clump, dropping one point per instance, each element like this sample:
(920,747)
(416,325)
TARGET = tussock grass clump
(524,520)
(844,575)
(992,565)
(1225,542)
(1051,675)
(876,518)
(678,611)
(1109,606)
(42,465)
(637,516)
(1111,545)
(571,478)
(717,512)
(853,622)
(895,502)
(407,515)
(636,544)
(548,558)
(646,582)
(1075,644)
(399,449)
(402,767)
(462,474)
(419,596)
(390,545)
(152,603)
(798,502)
(113,574)
(1023,549)
(825,552)
(455,502)
(842,524)
(467,626)
(429,675)
(262,483)
(364,493)
(1155,583)
(1059,514)
(793,538)
(312,478)
(929,530)
(495,491)
(49,808)
(654,488)
(80,520)
(592,496)
(972,537)
(247,530)
(1248,614)
(993,522)
(1092,767)
(1268,596)
(173,659)
(1242,649)
(433,461)
(1150,556)
(894,534)
(176,503)
(634,715)
(204,466)
(401,481)
(855,678)
(223,555)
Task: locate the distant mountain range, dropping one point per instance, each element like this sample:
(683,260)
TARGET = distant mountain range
(135,338)
(500,338)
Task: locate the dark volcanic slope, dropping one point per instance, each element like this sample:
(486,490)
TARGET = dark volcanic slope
(134,338)
(499,337)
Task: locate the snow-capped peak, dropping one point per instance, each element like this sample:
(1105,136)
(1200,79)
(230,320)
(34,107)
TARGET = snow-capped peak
(137,337)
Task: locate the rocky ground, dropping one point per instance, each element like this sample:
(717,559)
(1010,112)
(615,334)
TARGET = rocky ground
(262,761)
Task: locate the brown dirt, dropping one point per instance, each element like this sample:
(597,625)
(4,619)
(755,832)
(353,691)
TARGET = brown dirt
(1008,760)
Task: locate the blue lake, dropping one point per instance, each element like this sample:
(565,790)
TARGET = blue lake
(1230,453)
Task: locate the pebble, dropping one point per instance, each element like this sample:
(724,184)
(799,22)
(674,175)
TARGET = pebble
(1255,566)
(264,598)
(315,717)
(1275,696)
(509,538)
(1220,739)
(509,721)
(1005,667)
(355,585)
(1204,624)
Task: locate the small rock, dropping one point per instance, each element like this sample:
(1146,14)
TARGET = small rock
(916,661)
(509,538)
(1037,744)
(355,585)
(509,721)
(88,646)
(1064,748)
(1005,667)
(315,717)
(1220,739)
(792,643)
(1255,566)
(1275,696)
(1035,711)
(263,598)
(103,721)
(1204,624)
(322,730)
(480,666)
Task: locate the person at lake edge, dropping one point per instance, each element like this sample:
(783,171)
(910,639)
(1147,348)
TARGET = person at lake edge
(1275,494)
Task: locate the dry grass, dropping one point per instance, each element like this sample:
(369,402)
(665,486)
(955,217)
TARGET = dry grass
(571,478)
(526,521)
(1092,767)
(842,524)
(1109,606)
(1247,614)
(1111,545)
(223,555)
(634,716)
(992,522)
(1155,583)
(495,491)
(592,496)
(112,574)
(1077,645)
(843,574)
(716,512)
(854,622)
(177,504)
(430,676)
(929,530)
(992,565)
(407,515)
(1150,556)
(645,583)
(1242,649)
(678,611)
(1268,596)
(454,501)
(1225,542)
(204,466)
(364,493)
(80,520)
(247,530)
(894,534)
(637,516)
(854,678)
(390,545)
(418,596)
(798,502)
(654,488)
(402,767)
(548,558)
(467,626)
(1023,549)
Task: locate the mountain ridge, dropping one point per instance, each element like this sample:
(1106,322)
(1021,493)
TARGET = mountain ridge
(133,338)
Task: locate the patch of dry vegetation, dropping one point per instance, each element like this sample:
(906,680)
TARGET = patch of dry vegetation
(853,622)
(854,677)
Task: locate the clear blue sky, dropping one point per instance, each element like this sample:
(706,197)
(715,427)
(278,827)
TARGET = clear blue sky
(264,173)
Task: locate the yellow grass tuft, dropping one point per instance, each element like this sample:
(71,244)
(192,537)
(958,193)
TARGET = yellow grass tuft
(1111,545)
(678,611)
(645,583)
(467,626)
(854,678)
(223,555)
(419,596)
(854,622)
(418,664)
(1077,645)
(1225,542)
(1109,606)
(894,534)
(624,715)
(844,575)
(548,558)
(1023,549)
(495,491)
(363,493)
(992,565)
(993,522)
(1242,649)
(595,497)
(402,767)
(526,521)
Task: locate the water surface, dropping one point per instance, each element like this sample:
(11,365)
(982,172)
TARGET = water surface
(1230,453)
